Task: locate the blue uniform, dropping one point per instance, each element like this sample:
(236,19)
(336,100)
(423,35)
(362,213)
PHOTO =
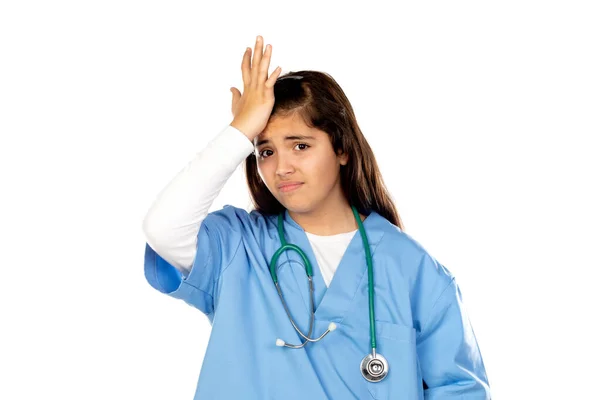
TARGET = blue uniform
(421,326)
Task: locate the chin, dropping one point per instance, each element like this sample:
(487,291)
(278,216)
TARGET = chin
(298,207)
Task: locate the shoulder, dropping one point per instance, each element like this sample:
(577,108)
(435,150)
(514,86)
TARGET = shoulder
(232,219)
(411,255)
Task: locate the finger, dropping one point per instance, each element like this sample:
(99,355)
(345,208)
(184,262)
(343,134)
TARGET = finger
(274,75)
(246,66)
(263,72)
(258,53)
(235,97)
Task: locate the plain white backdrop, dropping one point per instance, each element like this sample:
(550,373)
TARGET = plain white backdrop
(484,118)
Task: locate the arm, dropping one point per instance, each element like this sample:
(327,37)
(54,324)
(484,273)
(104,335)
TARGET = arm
(448,352)
(173,221)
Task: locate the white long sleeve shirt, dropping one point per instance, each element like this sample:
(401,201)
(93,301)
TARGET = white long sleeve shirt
(173,221)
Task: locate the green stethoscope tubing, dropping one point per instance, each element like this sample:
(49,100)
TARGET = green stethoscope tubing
(309,271)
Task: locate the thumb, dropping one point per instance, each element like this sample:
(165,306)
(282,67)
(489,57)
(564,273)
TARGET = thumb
(235,97)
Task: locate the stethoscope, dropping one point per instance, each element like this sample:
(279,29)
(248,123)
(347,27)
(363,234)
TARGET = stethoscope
(374,367)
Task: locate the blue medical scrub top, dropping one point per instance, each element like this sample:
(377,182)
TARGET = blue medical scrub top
(422,328)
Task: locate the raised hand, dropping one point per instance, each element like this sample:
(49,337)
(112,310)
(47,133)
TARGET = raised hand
(251,110)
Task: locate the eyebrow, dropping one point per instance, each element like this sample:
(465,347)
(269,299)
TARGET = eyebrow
(294,137)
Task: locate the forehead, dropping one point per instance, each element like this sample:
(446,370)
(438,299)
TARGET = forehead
(280,127)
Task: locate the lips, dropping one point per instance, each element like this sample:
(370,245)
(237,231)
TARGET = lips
(289,186)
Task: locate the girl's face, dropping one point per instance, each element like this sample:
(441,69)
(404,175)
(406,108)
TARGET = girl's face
(298,164)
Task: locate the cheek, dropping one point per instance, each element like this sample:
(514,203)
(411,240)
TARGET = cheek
(323,167)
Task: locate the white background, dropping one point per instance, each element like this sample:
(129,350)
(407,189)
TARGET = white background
(484,118)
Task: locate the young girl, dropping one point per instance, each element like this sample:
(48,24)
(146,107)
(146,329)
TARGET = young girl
(317,293)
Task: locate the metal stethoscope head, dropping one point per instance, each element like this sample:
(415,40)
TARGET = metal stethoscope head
(374,367)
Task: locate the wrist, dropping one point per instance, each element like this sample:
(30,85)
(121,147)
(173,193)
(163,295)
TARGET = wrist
(240,127)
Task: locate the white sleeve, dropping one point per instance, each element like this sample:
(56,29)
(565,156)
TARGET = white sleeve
(172,223)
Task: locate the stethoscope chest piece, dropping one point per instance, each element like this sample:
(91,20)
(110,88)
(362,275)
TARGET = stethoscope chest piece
(374,368)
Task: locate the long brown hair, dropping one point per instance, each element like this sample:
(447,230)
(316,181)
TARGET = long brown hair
(322,104)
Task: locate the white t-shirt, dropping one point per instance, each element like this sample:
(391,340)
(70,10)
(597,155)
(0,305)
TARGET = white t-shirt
(172,223)
(329,251)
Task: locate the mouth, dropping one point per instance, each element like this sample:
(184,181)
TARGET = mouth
(289,186)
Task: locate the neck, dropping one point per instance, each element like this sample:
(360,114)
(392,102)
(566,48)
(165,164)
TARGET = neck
(329,219)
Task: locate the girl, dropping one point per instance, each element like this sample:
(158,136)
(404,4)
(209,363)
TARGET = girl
(316,293)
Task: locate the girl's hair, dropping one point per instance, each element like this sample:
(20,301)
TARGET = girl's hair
(319,100)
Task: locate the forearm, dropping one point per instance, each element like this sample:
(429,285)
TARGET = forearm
(172,223)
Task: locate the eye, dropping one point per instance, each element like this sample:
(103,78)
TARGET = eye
(261,153)
(305,146)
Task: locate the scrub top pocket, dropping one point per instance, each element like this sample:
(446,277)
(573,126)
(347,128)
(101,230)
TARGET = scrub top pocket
(397,343)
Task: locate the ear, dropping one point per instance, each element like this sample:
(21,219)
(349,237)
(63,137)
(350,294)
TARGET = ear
(342,157)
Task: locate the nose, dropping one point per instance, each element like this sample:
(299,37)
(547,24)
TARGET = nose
(284,166)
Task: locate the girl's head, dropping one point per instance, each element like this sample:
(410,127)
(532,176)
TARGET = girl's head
(313,138)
